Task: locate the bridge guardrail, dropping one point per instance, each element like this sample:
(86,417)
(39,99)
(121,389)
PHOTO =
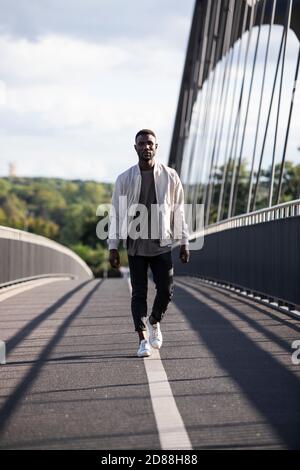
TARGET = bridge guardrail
(258,252)
(25,255)
(280,211)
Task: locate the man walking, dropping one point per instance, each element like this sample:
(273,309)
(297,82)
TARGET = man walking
(156,188)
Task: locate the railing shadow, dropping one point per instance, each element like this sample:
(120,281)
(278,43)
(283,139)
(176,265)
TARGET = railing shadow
(250,321)
(271,388)
(15,398)
(13,342)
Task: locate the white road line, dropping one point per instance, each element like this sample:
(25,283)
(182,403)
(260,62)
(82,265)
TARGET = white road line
(170,426)
(10,291)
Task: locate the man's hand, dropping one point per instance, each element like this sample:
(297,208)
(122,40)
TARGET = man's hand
(114,258)
(184,254)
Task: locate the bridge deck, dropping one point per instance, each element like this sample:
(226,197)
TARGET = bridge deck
(72,378)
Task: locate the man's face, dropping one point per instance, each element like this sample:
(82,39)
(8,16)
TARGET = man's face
(145,147)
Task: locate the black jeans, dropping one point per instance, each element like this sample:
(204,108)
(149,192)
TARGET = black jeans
(162,271)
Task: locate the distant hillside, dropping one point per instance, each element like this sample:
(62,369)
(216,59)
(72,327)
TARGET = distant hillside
(63,210)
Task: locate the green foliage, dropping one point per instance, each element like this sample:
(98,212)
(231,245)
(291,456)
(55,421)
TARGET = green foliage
(95,258)
(15,211)
(4,189)
(2,217)
(58,209)
(43,227)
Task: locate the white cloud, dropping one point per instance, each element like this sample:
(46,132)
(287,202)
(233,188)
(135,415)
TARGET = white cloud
(69,99)
(48,59)
(93,20)
(82,78)
(105,87)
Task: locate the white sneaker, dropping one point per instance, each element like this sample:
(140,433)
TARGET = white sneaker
(155,336)
(144,349)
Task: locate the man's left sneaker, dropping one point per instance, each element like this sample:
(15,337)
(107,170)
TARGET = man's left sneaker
(144,349)
(155,336)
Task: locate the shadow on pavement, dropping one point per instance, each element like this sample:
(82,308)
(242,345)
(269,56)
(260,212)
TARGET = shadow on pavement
(267,384)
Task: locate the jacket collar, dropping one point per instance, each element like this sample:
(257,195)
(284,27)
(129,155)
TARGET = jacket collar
(137,169)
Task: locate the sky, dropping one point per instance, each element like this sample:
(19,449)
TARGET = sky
(79,78)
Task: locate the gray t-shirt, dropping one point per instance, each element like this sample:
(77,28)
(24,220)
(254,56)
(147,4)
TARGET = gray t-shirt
(140,246)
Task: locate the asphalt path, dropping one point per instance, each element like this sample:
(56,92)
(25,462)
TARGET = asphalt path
(72,379)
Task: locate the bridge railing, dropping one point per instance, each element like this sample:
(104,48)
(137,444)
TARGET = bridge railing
(258,252)
(280,211)
(25,255)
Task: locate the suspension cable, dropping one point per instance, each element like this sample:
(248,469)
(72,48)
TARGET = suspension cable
(252,21)
(271,185)
(236,182)
(251,176)
(218,44)
(226,153)
(268,118)
(207,121)
(222,120)
(222,106)
(206,133)
(201,137)
(193,148)
(200,84)
(224,86)
(216,150)
(288,131)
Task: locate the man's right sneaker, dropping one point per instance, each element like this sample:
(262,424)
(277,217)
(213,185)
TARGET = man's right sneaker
(144,349)
(155,336)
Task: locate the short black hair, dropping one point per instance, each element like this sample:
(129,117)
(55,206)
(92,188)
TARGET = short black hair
(145,132)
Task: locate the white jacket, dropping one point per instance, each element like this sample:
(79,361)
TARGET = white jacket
(169,196)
